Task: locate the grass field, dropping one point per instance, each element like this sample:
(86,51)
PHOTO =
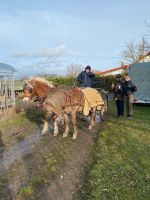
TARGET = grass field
(19,84)
(121,159)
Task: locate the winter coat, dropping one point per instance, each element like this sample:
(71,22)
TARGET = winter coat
(129,88)
(119,90)
(85,79)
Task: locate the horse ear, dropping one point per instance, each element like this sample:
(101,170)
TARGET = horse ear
(25,82)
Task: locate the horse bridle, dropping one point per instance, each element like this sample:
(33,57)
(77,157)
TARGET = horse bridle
(27,87)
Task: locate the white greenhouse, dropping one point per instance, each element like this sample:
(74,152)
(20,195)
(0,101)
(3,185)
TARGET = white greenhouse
(7,86)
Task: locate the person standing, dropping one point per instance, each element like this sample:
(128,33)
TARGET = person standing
(85,78)
(118,89)
(129,89)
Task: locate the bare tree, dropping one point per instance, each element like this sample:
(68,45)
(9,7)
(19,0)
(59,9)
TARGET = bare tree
(143,46)
(74,69)
(130,52)
(147,26)
(135,51)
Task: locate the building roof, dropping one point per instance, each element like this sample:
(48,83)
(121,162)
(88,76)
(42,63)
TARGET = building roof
(113,70)
(7,68)
(126,67)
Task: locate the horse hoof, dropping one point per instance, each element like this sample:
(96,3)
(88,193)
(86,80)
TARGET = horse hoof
(74,136)
(90,127)
(43,133)
(65,135)
(55,134)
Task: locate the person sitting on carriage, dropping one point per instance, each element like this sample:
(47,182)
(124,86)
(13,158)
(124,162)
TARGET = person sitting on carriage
(85,78)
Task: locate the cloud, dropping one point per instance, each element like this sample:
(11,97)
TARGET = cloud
(58,51)
(94,39)
(34,66)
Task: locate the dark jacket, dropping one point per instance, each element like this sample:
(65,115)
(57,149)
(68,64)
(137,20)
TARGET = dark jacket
(129,88)
(85,79)
(119,90)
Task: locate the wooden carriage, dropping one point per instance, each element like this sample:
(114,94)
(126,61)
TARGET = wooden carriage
(99,85)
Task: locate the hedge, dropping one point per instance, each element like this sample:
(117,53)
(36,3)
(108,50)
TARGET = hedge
(98,82)
(63,81)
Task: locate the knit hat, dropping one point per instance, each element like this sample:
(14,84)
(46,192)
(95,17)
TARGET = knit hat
(88,67)
(118,76)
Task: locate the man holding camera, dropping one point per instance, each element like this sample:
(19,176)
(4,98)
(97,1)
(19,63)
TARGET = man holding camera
(118,89)
(124,87)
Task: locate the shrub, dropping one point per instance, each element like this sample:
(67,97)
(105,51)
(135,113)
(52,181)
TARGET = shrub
(63,81)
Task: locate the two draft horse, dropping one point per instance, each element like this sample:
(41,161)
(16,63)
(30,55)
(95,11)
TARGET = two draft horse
(59,102)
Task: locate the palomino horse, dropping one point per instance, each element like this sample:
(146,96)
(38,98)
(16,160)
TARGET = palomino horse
(63,102)
(41,88)
(59,101)
(36,87)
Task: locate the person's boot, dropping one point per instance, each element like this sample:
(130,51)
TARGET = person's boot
(130,116)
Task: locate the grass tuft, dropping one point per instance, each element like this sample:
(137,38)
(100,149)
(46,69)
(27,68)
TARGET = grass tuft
(26,192)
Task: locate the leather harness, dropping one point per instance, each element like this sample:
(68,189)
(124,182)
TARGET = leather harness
(68,102)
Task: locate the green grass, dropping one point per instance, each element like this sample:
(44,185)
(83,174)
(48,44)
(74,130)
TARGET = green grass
(15,128)
(19,84)
(121,159)
(26,192)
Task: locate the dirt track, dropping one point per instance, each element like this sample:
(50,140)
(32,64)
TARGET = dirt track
(26,160)
(66,188)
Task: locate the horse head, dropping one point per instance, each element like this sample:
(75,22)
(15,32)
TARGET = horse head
(29,91)
(35,87)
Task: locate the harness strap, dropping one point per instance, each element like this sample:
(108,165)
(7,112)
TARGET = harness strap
(68,101)
(57,112)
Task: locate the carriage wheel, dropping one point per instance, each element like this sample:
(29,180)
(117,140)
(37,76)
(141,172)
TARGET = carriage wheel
(103,112)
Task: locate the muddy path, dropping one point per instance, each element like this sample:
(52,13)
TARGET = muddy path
(68,182)
(15,153)
(47,167)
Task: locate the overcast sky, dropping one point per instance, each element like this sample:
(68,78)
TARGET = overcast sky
(38,36)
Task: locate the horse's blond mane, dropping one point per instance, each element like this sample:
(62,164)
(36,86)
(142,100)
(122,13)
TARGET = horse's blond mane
(42,80)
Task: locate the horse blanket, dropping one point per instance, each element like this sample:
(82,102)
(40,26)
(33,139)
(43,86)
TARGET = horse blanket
(92,98)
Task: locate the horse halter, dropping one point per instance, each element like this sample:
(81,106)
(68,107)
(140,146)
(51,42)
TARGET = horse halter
(28,87)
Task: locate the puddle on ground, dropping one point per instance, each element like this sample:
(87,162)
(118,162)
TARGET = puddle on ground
(97,118)
(15,153)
